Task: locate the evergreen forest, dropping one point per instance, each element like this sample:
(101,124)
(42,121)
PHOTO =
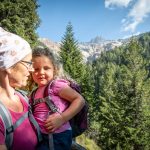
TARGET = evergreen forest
(116,85)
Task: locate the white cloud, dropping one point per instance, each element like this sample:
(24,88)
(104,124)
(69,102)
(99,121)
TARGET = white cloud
(137,14)
(118,3)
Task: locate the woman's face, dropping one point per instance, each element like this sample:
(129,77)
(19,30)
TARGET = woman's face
(19,73)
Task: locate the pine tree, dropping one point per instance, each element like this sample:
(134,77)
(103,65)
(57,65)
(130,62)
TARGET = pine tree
(20,17)
(71,56)
(74,65)
(122,107)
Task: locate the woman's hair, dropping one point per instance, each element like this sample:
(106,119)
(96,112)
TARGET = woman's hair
(55,59)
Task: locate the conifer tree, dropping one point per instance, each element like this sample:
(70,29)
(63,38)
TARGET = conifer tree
(74,65)
(122,113)
(71,55)
(20,17)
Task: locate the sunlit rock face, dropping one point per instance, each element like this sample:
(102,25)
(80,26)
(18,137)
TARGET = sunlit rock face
(90,50)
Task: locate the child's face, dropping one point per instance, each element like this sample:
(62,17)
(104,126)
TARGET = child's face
(43,70)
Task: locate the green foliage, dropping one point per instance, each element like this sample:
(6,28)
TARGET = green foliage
(74,66)
(87,143)
(71,55)
(20,17)
(73,61)
(121,109)
(144,39)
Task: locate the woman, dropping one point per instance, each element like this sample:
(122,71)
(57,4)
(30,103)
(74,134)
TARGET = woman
(15,65)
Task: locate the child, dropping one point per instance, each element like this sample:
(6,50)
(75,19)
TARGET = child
(47,69)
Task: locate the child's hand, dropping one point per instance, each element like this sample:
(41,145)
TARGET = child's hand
(53,122)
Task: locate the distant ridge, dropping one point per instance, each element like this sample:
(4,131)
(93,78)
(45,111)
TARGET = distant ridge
(92,49)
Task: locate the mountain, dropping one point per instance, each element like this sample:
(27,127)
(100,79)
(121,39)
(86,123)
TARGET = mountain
(92,49)
(50,44)
(97,39)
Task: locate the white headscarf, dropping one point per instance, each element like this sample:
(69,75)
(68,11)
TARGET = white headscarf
(12,49)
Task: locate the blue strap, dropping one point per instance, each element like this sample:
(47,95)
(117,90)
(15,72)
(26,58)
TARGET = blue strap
(17,123)
(7,121)
(50,104)
(50,141)
(24,95)
(10,127)
(35,124)
(30,115)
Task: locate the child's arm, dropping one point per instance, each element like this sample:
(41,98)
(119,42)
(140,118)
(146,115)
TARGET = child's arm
(54,121)
(76,100)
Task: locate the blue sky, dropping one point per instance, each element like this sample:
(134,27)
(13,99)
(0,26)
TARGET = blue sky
(110,19)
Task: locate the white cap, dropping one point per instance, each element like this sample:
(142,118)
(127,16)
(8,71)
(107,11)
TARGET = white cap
(13,48)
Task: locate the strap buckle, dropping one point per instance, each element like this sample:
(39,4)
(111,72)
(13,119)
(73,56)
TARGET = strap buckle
(9,129)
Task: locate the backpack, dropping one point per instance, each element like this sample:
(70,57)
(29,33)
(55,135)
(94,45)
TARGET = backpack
(79,122)
(10,127)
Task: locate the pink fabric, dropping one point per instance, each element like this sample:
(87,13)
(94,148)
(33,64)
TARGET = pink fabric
(24,136)
(41,110)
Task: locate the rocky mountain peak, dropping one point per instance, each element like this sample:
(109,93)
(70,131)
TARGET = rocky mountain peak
(90,50)
(97,39)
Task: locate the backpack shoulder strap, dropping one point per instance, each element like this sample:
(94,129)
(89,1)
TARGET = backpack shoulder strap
(46,93)
(24,94)
(10,127)
(36,126)
(8,124)
(32,95)
(48,99)
(7,121)
(30,115)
